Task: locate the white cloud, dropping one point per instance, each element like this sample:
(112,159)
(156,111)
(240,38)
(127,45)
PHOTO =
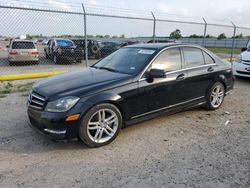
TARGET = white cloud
(60,5)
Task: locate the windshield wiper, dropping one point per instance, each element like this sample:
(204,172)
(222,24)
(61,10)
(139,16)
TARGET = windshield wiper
(107,68)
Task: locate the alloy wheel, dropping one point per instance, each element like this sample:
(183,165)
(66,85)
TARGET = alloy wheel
(102,126)
(217,96)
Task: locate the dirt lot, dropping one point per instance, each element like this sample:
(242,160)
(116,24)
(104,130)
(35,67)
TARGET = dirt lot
(195,148)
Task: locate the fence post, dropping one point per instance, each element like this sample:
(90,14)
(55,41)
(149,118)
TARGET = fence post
(154,27)
(232,49)
(205,32)
(85,36)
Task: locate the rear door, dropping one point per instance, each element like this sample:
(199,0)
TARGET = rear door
(200,68)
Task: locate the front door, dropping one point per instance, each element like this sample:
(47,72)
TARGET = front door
(161,93)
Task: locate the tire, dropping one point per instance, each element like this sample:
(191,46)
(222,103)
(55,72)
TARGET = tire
(95,131)
(46,55)
(98,55)
(55,59)
(94,49)
(11,63)
(215,96)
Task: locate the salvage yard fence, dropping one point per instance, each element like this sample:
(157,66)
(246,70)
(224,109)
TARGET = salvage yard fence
(106,24)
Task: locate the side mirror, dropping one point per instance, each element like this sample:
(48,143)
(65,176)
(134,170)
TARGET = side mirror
(156,73)
(243,49)
(7,46)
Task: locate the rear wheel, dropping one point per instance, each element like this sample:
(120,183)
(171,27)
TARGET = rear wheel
(100,125)
(215,96)
(55,59)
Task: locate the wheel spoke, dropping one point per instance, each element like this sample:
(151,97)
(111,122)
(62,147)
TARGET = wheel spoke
(93,128)
(93,123)
(108,133)
(109,128)
(213,94)
(100,134)
(109,122)
(96,134)
(217,90)
(220,94)
(214,100)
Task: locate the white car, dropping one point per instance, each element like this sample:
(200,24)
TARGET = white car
(241,65)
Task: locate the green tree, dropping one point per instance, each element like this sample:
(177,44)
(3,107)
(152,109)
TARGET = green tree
(107,36)
(122,36)
(176,34)
(239,36)
(195,36)
(210,36)
(222,36)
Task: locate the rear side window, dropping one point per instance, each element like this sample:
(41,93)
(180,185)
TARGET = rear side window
(169,60)
(65,43)
(193,57)
(23,45)
(207,58)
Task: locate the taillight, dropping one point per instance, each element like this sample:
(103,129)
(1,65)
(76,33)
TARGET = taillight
(13,52)
(34,52)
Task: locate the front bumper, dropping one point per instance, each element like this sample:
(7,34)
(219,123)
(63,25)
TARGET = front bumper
(241,69)
(53,125)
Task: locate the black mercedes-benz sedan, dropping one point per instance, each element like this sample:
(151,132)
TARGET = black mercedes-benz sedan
(133,84)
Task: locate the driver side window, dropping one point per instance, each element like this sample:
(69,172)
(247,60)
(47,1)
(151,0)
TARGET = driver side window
(168,60)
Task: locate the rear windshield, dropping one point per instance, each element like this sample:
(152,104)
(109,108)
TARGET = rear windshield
(65,43)
(23,45)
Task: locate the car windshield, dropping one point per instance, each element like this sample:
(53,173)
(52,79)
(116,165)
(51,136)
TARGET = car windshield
(126,60)
(23,45)
(65,43)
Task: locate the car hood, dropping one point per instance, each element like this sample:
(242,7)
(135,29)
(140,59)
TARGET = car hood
(245,55)
(80,83)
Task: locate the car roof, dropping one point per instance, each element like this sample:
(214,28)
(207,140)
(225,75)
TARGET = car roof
(61,39)
(22,40)
(156,46)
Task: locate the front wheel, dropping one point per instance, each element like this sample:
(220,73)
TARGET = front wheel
(101,125)
(215,96)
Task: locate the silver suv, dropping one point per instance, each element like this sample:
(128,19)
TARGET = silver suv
(22,51)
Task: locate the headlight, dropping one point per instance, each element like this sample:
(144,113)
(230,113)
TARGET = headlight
(62,105)
(238,59)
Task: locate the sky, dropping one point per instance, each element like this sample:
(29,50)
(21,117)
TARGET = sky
(18,22)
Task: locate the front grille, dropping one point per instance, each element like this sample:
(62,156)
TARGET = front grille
(36,101)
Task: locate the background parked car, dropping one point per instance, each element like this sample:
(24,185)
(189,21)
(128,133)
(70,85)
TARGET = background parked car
(110,47)
(61,50)
(93,48)
(241,65)
(22,51)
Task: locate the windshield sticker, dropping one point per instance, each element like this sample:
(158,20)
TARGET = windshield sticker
(146,52)
(132,68)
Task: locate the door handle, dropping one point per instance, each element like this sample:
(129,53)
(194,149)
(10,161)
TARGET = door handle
(180,77)
(210,69)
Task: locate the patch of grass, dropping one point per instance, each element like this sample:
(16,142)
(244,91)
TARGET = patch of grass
(2,96)
(225,50)
(6,88)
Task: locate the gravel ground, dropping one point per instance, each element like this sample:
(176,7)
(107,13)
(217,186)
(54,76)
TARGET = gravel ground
(196,148)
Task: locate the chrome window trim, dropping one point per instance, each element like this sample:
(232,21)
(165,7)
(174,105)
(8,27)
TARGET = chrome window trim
(185,69)
(182,58)
(167,107)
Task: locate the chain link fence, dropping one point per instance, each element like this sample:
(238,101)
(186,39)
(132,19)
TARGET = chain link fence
(37,37)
